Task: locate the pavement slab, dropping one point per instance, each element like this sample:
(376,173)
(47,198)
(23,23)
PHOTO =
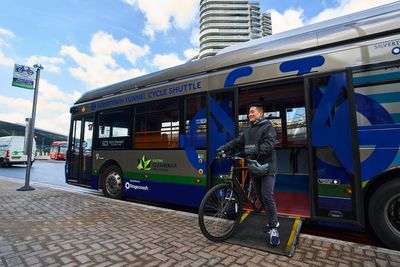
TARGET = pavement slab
(54,227)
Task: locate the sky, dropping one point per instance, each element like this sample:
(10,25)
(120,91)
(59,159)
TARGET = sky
(87,44)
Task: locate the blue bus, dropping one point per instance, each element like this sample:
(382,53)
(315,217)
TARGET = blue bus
(331,90)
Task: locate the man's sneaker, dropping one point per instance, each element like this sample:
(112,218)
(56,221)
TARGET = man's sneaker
(267,228)
(274,239)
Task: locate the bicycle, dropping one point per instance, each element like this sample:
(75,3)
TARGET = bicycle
(221,209)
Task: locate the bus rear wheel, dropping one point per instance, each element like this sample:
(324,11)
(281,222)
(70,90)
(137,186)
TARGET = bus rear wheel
(112,182)
(384,213)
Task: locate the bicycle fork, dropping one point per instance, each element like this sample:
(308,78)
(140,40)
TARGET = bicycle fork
(231,199)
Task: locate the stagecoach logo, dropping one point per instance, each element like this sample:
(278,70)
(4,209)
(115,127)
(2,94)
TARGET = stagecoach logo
(144,164)
(132,184)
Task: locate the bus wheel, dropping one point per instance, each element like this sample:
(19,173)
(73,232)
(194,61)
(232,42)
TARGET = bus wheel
(112,182)
(2,164)
(384,213)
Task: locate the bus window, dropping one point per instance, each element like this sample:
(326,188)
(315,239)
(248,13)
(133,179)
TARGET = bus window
(63,148)
(296,126)
(275,118)
(113,129)
(242,122)
(157,125)
(196,121)
(76,136)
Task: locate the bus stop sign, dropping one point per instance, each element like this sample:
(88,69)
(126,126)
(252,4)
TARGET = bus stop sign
(24,77)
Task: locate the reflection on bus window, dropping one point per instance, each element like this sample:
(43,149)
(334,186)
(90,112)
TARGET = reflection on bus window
(114,123)
(196,118)
(275,118)
(87,137)
(296,126)
(76,135)
(113,130)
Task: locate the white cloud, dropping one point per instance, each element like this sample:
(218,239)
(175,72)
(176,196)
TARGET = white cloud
(15,105)
(294,17)
(100,68)
(104,44)
(191,52)
(149,31)
(290,19)
(49,63)
(161,15)
(6,61)
(195,37)
(166,61)
(52,108)
(6,32)
(347,7)
(129,2)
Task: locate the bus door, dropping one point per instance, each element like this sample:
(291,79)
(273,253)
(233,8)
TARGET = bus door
(334,160)
(80,151)
(222,111)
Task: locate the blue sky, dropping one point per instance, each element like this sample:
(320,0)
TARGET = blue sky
(84,45)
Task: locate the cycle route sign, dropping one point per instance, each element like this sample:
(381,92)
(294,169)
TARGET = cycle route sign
(23,77)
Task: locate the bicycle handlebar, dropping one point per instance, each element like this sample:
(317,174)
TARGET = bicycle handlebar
(236,156)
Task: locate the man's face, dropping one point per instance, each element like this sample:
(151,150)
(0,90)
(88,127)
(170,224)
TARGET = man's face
(254,114)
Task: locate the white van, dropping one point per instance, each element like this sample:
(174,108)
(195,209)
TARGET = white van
(12,150)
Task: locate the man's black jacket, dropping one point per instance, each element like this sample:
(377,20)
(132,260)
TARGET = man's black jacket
(259,139)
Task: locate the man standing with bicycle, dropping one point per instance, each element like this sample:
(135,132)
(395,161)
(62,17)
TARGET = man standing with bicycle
(258,141)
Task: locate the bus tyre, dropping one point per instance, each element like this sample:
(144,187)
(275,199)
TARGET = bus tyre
(112,182)
(384,213)
(2,164)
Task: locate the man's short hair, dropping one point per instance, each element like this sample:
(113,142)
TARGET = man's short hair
(259,106)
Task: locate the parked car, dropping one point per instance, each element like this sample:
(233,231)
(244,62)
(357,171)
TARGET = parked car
(12,151)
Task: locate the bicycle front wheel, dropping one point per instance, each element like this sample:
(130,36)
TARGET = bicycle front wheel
(220,212)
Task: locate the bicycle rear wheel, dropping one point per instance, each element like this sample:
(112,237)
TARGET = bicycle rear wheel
(220,212)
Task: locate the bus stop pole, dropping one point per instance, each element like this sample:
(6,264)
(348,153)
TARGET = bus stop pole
(31,128)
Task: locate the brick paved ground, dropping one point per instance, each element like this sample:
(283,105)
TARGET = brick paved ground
(50,227)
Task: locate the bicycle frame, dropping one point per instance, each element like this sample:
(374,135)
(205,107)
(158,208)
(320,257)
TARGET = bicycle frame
(235,184)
